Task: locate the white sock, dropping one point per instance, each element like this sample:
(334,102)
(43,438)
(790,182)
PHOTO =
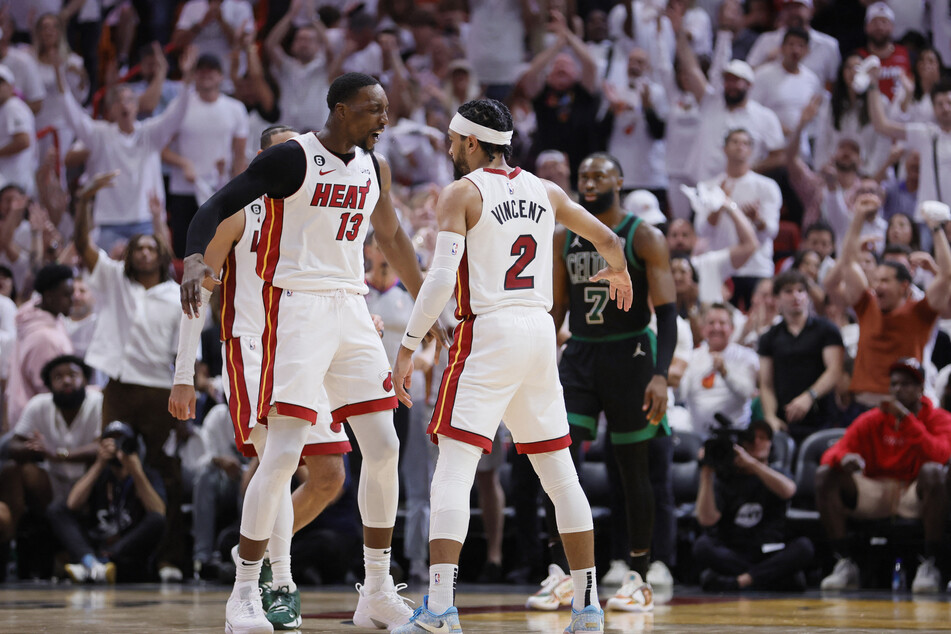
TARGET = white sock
(442,587)
(279,545)
(586,588)
(247,571)
(376,561)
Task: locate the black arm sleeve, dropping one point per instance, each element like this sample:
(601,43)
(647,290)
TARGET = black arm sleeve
(655,125)
(666,337)
(277,172)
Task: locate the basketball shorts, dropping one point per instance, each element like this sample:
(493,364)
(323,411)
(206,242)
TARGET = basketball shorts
(610,377)
(502,366)
(324,338)
(241,374)
(880,498)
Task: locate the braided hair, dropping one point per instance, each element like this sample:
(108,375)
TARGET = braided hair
(491,114)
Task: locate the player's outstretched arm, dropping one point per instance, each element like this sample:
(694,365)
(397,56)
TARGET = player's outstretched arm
(455,201)
(560,283)
(181,401)
(577,218)
(276,172)
(651,247)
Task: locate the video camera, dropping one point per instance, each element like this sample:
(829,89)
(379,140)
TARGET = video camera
(718,449)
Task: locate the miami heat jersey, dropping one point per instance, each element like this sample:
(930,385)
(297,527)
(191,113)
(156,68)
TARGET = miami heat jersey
(508,253)
(242,306)
(313,239)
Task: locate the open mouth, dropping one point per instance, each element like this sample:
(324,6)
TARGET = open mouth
(376,135)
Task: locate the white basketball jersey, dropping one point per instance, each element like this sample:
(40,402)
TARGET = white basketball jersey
(508,254)
(242,305)
(313,239)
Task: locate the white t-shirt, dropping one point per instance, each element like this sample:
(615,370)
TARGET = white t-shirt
(705,391)
(26,74)
(212,40)
(645,33)
(41,415)
(783,92)
(495,43)
(367,60)
(941,27)
(19,168)
(303,92)
(394,305)
(205,137)
(749,188)
(713,269)
(925,137)
(823,57)
(716,120)
(642,156)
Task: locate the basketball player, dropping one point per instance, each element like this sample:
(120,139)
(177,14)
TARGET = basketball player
(613,362)
(494,244)
(323,191)
(234,250)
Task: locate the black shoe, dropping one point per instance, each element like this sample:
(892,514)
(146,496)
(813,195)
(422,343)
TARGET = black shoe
(710,581)
(491,573)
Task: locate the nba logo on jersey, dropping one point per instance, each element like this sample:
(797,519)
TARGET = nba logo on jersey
(511,189)
(436,577)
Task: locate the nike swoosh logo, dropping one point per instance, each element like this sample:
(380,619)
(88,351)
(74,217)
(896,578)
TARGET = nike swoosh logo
(440,627)
(323,173)
(412,336)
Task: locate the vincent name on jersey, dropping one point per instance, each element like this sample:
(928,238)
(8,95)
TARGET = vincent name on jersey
(511,209)
(338,195)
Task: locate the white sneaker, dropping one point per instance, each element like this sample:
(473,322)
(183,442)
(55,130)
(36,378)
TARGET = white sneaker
(244,613)
(103,573)
(77,572)
(845,576)
(635,595)
(658,576)
(170,574)
(616,573)
(557,590)
(927,579)
(385,609)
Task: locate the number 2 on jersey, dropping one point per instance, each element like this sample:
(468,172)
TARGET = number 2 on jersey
(524,247)
(354,220)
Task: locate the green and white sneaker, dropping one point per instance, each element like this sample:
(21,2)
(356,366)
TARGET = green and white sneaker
(266,575)
(284,609)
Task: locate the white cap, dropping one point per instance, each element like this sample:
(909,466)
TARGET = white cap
(7,75)
(644,205)
(879,10)
(739,68)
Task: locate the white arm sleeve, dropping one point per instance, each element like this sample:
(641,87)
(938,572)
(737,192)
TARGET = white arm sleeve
(437,287)
(189,337)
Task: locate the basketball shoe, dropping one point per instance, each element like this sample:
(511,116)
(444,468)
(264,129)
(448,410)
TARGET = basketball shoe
(557,590)
(636,595)
(384,609)
(423,621)
(244,614)
(590,619)
(284,609)
(845,576)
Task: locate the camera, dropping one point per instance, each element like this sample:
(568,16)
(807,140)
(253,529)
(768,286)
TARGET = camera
(127,441)
(718,449)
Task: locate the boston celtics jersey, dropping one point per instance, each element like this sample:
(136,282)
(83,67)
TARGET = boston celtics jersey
(593,314)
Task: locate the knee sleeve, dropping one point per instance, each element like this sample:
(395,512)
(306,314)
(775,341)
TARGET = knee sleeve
(378,491)
(560,481)
(286,438)
(258,438)
(279,544)
(449,493)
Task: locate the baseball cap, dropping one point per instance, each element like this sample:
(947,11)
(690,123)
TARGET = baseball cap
(7,75)
(910,366)
(879,10)
(749,433)
(644,205)
(739,68)
(209,62)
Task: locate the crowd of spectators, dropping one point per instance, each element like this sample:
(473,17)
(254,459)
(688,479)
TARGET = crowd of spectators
(797,154)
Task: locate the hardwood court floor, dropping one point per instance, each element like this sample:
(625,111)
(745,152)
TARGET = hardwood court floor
(69,609)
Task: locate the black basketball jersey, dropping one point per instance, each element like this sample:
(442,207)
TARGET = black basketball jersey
(593,315)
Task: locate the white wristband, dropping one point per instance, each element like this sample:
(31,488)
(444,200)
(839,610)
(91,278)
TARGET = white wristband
(189,338)
(436,289)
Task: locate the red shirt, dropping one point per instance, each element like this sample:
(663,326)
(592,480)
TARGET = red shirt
(890,453)
(892,68)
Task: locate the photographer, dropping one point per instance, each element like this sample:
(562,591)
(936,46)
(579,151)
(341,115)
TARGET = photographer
(114,516)
(745,501)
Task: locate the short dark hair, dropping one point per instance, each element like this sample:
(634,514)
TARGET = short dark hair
(685,255)
(733,131)
(795,31)
(943,85)
(718,306)
(6,272)
(902,274)
(788,278)
(491,114)
(269,133)
(345,87)
(896,249)
(819,225)
(62,359)
(165,257)
(800,256)
(50,276)
(606,156)
(14,186)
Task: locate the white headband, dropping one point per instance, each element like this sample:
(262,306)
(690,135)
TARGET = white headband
(465,127)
